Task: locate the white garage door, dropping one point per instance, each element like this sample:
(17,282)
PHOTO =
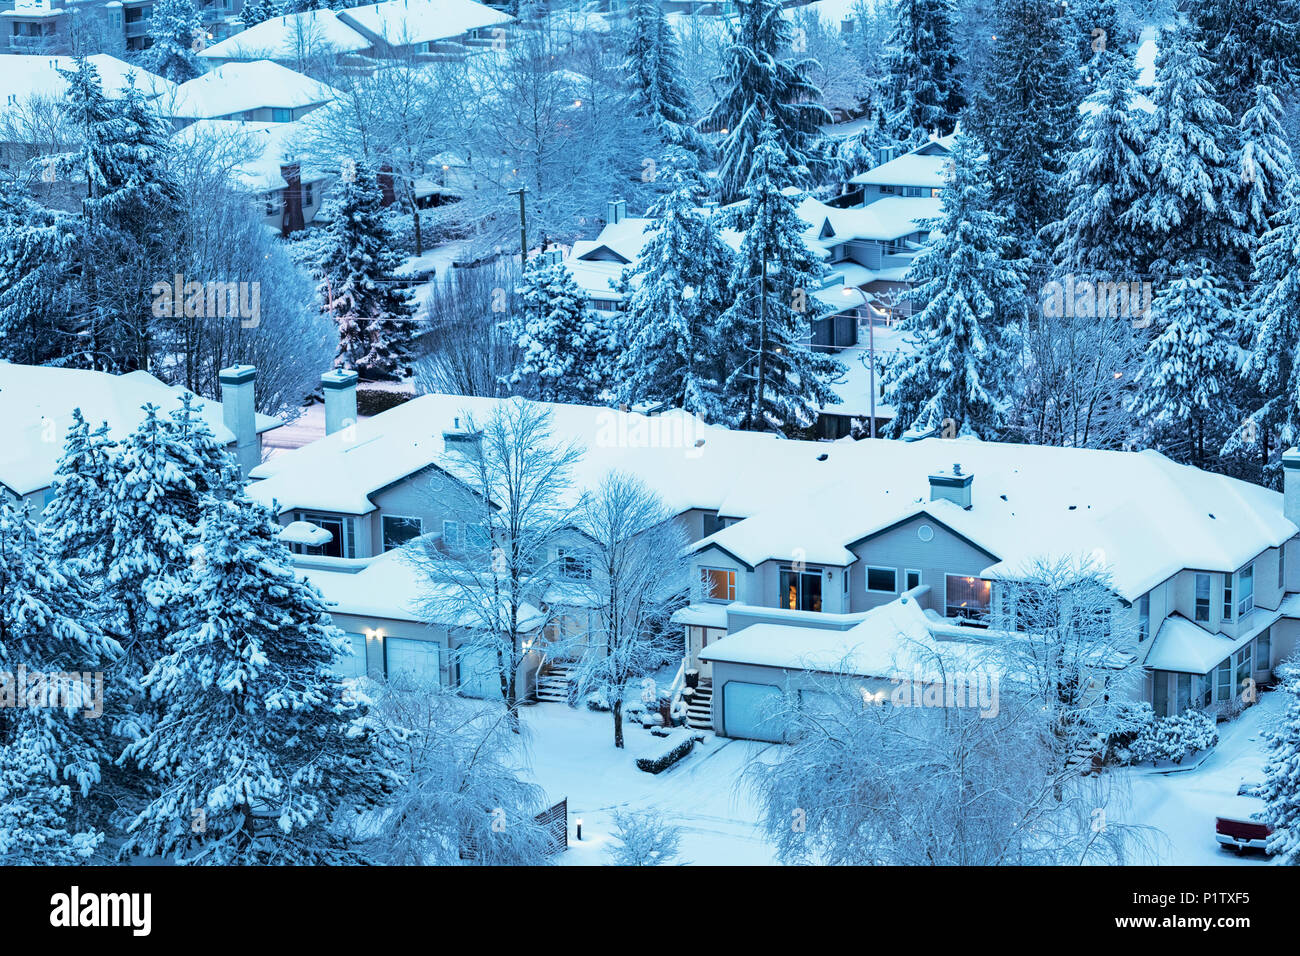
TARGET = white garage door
(753,711)
(478,672)
(354,665)
(415,660)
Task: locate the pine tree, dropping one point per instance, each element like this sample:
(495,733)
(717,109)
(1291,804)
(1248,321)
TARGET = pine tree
(924,69)
(773,379)
(1264,162)
(1102,37)
(1186,371)
(653,61)
(262,750)
(258,11)
(965,332)
(38,256)
(1104,178)
(1249,43)
(1274,315)
(1281,786)
(355,259)
(176,29)
(1188,213)
(566,349)
(677,293)
(1026,114)
(76,521)
(47,750)
(761,88)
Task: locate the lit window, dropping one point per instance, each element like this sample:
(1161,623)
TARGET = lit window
(967,597)
(719,584)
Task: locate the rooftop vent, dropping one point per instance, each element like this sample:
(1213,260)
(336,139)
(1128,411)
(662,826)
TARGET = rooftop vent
(952,485)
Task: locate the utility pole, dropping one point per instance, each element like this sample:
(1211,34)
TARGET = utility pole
(523,226)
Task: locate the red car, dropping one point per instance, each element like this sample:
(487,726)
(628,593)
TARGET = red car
(1242,834)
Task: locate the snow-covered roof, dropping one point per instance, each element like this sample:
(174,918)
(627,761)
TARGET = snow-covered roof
(405,22)
(390,586)
(1137,513)
(25,75)
(234,88)
(893,640)
(882,220)
(38,404)
(911,169)
(687,463)
(1183,646)
(253,151)
(288,37)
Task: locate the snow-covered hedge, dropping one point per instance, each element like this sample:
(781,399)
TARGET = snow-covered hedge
(1173,738)
(663,752)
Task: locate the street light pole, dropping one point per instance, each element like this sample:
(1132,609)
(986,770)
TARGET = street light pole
(523,226)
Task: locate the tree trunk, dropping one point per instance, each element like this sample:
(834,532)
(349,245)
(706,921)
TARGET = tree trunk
(616,709)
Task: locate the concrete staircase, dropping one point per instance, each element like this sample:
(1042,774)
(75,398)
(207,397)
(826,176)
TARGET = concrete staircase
(699,710)
(553,686)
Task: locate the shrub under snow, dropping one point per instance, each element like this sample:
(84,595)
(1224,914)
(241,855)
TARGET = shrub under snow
(1173,738)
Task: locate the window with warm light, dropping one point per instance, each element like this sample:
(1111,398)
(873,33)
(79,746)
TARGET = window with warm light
(719,584)
(967,597)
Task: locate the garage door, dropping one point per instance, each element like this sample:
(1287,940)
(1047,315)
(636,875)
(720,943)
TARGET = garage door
(753,711)
(478,672)
(355,664)
(415,660)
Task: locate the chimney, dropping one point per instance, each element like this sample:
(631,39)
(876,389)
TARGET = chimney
(1291,484)
(616,211)
(340,388)
(463,441)
(240,415)
(952,486)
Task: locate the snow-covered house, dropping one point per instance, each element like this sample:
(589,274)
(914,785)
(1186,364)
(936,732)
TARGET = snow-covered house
(397,28)
(295,40)
(38,402)
(263,159)
(1203,597)
(60,26)
(256,91)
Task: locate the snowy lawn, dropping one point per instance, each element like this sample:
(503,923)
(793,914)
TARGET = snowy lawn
(571,753)
(1183,804)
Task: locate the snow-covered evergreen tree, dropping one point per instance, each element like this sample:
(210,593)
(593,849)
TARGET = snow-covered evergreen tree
(1264,162)
(355,259)
(1026,114)
(760,88)
(773,379)
(38,269)
(924,69)
(971,298)
(653,62)
(1248,43)
(1281,786)
(1187,368)
(261,750)
(49,748)
(566,348)
(258,11)
(1189,213)
(176,29)
(76,520)
(676,294)
(1105,176)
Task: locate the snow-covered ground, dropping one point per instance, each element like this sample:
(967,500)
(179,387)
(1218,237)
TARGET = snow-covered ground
(572,755)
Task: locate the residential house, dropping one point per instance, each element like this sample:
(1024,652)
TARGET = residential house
(259,91)
(297,41)
(38,402)
(451,28)
(111,26)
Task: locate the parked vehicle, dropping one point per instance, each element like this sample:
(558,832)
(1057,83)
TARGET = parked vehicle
(1242,833)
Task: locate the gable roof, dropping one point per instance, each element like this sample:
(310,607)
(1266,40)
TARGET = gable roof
(254,151)
(25,75)
(287,37)
(236,87)
(405,22)
(38,404)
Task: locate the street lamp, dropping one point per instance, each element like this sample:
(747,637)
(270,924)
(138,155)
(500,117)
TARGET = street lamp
(871,353)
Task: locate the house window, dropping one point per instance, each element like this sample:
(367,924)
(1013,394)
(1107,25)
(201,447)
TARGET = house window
(719,584)
(1263,650)
(882,580)
(399,529)
(1245,591)
(967,597)
(712,523)
(451,534)
(1202,613)
(308,194)
(1184,691)
(800,590)
(1281,568)
(272,202)
(1223,681)
(281,115)
(1242,669)
(911,579)
(342,544)
(1160,693)
(574,565)
(1144,617)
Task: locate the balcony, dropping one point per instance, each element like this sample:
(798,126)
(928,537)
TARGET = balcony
(34,44)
